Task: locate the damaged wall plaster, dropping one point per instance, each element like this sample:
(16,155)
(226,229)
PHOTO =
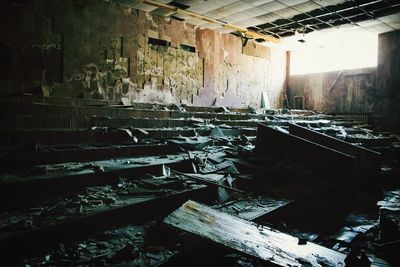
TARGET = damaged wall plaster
(233,78)
(167,74)
(101,50)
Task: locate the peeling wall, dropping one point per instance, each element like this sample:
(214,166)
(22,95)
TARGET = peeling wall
(234,78)
(178,73)
(347,91)
(101,50)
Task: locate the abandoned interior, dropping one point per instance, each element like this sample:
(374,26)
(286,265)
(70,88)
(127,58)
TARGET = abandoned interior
(200,133)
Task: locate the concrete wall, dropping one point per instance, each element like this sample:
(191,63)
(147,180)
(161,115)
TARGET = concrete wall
(235,78)
(388,81)
(348,91)
(375,90)
(102,50)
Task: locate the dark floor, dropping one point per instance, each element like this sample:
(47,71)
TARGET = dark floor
(98,186)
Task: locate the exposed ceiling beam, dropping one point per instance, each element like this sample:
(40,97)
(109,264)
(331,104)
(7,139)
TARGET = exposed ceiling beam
(247,33)
(349,12)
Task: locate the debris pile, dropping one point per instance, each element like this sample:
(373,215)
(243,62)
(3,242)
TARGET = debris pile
(144,185)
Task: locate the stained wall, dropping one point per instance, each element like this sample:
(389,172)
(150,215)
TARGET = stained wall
(102,50)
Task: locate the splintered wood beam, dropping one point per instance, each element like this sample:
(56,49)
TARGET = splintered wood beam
(263,243)
(247,33)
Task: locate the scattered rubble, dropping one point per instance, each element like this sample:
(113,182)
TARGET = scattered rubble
(98,195)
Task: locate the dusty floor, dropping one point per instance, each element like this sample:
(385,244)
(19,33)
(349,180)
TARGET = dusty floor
(102,199)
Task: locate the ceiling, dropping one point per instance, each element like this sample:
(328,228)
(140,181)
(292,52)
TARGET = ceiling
(283,18)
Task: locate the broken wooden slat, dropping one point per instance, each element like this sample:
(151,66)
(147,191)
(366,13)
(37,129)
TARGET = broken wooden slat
(246,237)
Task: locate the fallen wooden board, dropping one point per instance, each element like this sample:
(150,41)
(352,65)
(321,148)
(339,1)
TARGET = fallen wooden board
(254,240)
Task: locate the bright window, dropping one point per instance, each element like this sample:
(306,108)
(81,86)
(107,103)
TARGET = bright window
(334,51)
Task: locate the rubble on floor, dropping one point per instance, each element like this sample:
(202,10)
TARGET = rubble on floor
(127,245)
(90,185)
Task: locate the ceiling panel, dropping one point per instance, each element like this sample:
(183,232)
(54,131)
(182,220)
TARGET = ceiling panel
(306,6)
(249,22)
(236,17)
(268,17)
(285,17)
(391,18)
(229,10)
(272,6)
(257,3)
(368,23)
(240,6)
(329,2)
(255,12)
(380,28)
(209,6)
(292,2)
(286,12)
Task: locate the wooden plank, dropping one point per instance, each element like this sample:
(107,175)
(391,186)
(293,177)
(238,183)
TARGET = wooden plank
(246,237)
